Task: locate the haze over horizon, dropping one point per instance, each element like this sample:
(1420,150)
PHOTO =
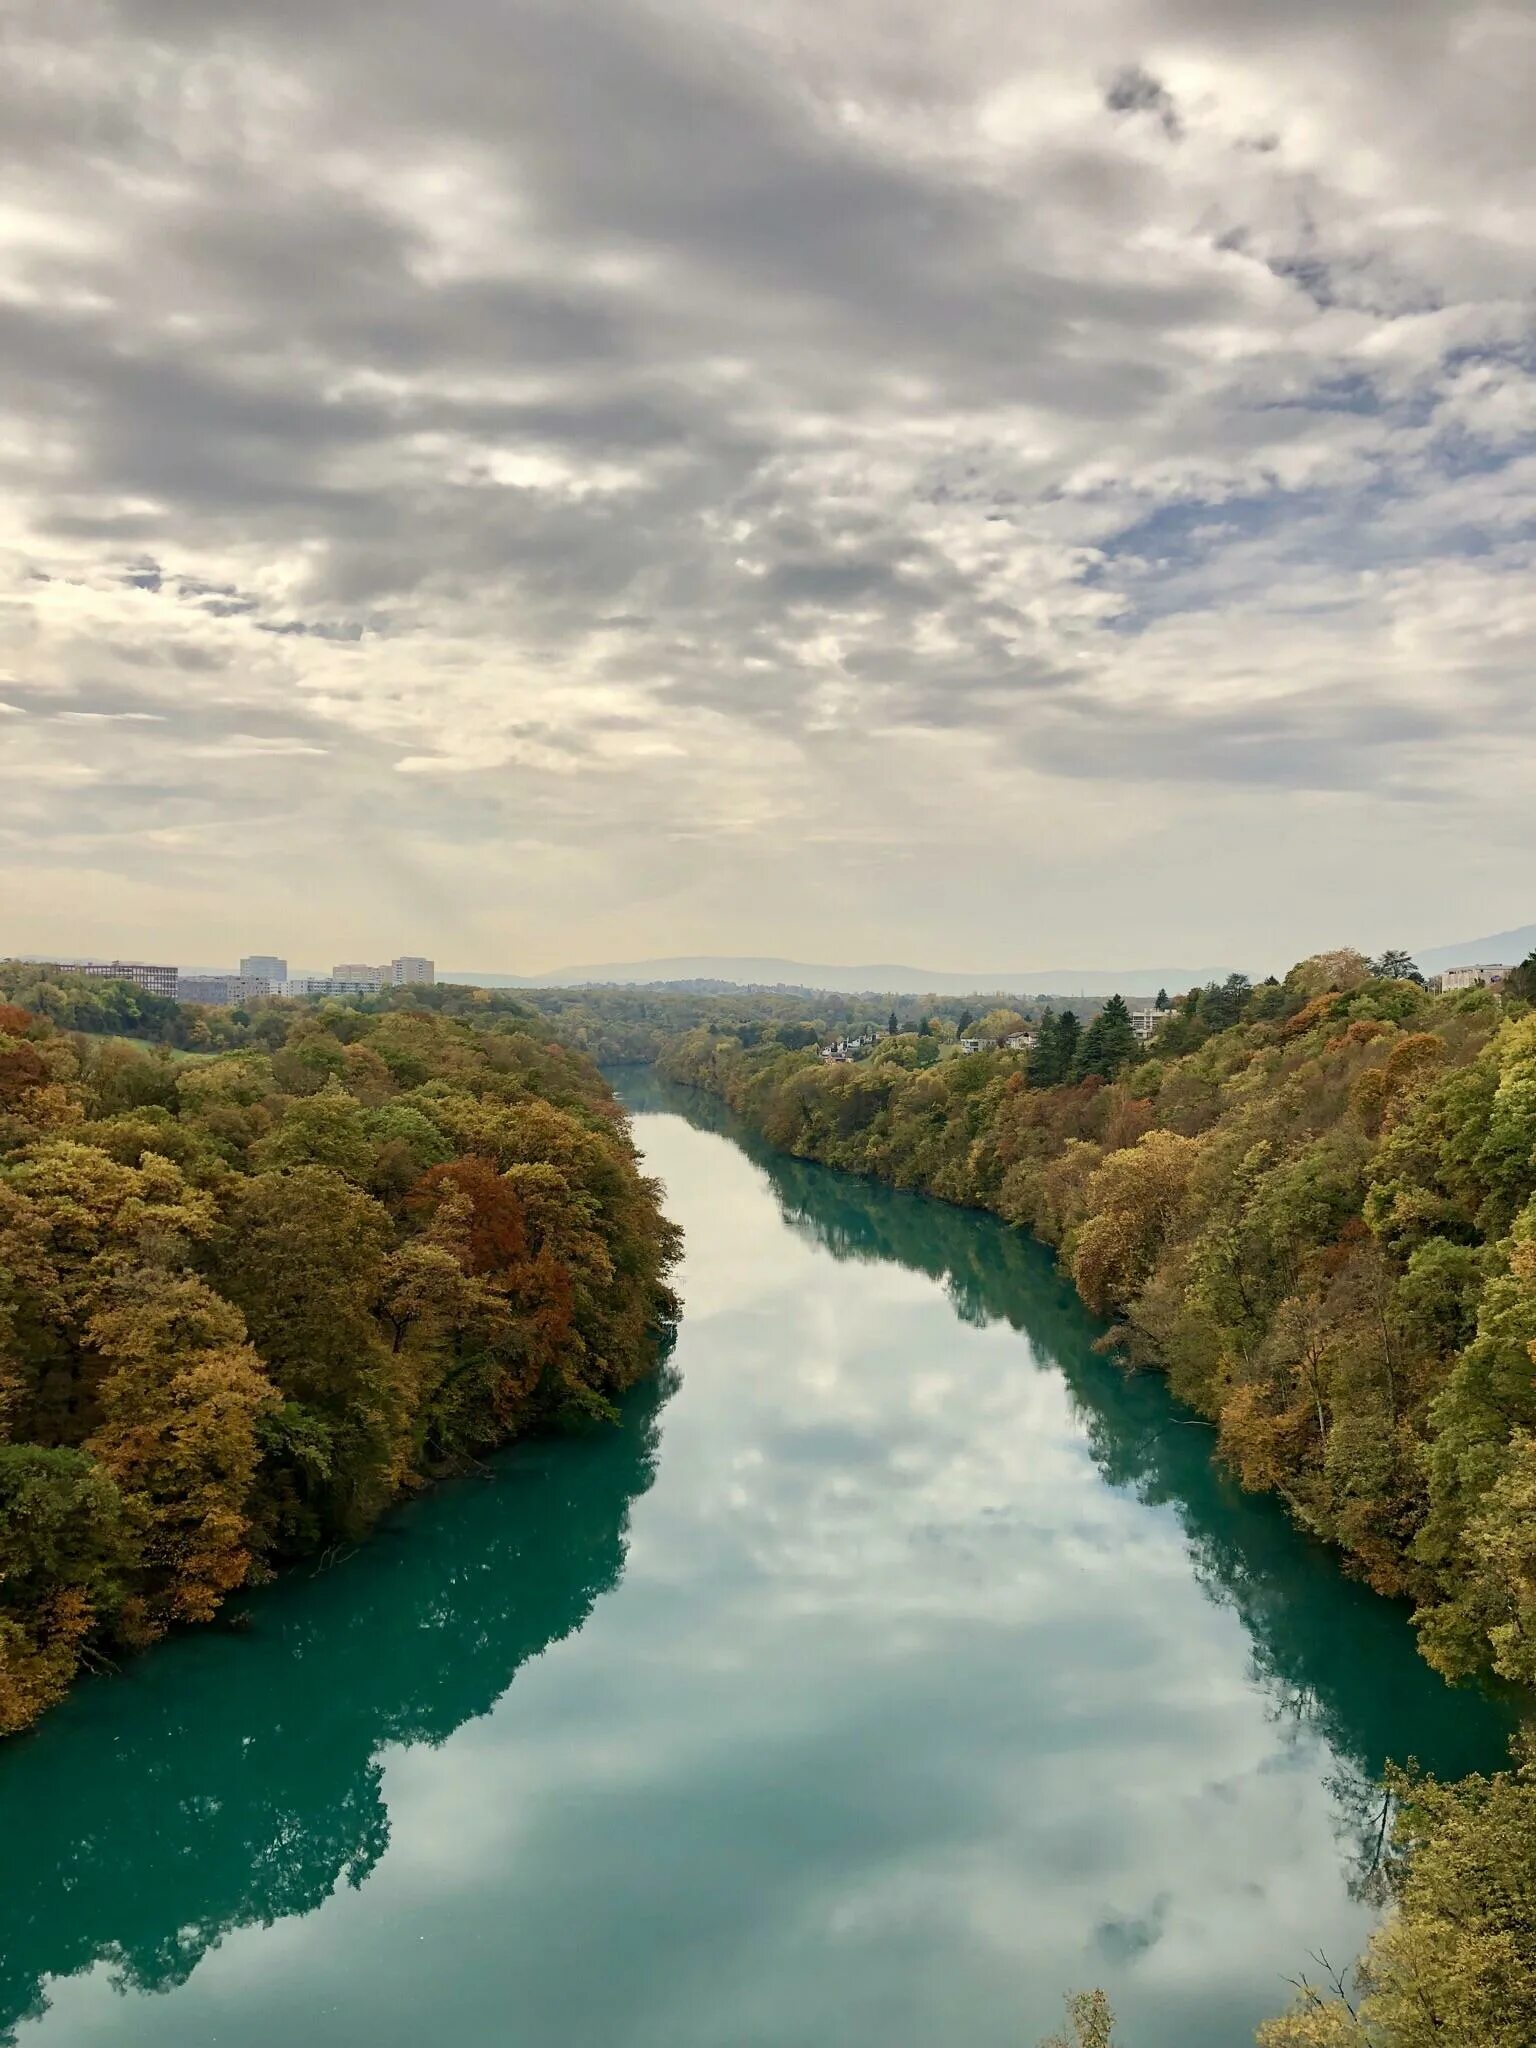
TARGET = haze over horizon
(748,970)
(543,483)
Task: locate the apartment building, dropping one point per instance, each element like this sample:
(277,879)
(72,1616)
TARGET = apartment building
(337,984)
(268,967)
(223,988)
(412,971)
(409,968)
(154,980)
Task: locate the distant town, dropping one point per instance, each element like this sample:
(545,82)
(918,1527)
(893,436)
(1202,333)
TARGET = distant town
(259,974)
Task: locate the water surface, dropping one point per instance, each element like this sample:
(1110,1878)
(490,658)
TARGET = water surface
(898,1664)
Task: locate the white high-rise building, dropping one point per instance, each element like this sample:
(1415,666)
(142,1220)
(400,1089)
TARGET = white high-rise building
(360,974)
(411,970)
(268,967)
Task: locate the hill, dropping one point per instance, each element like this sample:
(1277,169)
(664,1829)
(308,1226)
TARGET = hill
(1510,947)
(882,978)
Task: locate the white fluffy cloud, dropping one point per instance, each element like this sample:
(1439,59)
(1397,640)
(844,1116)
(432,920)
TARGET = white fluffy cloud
(683,476)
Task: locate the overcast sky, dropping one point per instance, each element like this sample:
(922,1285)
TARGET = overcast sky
(978,484)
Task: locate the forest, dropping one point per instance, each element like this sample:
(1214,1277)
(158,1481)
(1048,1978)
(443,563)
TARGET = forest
(1312,1204)
(248,1300)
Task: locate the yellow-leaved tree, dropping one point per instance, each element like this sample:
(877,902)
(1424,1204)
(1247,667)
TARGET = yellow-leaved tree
(1090,2023)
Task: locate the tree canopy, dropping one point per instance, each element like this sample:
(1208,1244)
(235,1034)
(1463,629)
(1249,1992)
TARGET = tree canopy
(247,1301)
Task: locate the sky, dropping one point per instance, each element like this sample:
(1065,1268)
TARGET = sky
(545,480)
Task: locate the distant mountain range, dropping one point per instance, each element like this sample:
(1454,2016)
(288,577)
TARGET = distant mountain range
(881,978)
(1510,947)
(885,978)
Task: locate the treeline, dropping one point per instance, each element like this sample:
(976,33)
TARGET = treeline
(1319,1222)
(618,1026)
(632,1026)
(247,1301)
(81,1002)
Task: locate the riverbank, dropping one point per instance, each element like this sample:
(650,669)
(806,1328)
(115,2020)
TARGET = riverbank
(1321,1226)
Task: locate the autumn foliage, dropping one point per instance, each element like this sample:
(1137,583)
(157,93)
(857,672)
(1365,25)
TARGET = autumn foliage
(248,1301)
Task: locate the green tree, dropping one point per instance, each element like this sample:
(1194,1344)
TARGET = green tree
(1221,1004)
(1054,1058)
(1396,965)
(999,1024)
(1109,1044)
(1069,1032)
(66,1558)
(303,1256)
(327,1129)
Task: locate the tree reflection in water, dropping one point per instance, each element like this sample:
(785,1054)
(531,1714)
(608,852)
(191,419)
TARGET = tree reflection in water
(1332,1656)
(236,1778)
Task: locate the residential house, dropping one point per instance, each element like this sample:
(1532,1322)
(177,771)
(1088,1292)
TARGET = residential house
(1145,1019)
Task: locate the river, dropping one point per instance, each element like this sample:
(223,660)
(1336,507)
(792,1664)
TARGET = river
(898,1664)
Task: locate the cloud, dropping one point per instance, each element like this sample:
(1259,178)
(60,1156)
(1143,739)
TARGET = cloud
(777,428)
(1134,91)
